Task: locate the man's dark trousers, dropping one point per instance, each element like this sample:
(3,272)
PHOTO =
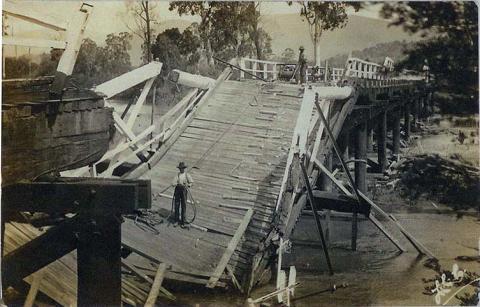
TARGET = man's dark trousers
(180,196)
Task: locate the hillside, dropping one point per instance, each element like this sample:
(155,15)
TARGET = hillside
(289,31)
(375,53)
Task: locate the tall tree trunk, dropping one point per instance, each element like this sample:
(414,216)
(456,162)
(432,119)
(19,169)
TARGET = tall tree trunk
(149,36)
(316,45)
(258,46)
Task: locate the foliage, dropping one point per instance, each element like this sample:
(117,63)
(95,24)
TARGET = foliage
(94,65)
(166,50)
(325,16)
(144,16)
(443,180)
(97,64)
(451,44)
(228,28)
(288,55)
(20,67)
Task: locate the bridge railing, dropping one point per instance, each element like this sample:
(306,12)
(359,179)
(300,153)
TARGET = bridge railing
(358,68)
(334,74)
(355,68)
(261,68)
(270,69)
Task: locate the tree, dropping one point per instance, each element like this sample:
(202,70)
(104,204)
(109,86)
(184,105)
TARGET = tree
(230,27)
(144,15)
(205,10)
(451,44)
(325,16)
(288,55)
(167,52)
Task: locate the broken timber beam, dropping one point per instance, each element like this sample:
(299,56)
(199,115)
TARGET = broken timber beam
(143,276)
(190,80)
(334,93)
(32,293)
(339,202)
(141,169)
(232,245)
(129,79)
(156,286)
(75,34)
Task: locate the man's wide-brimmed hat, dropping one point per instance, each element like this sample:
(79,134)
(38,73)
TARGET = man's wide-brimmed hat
(301,48)
(181,165)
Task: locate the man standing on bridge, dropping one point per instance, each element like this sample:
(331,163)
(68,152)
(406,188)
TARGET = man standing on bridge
(181,182)
(302,65)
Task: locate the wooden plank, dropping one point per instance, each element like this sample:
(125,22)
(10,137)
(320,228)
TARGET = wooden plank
(232,245)
(74,40)
(129,79)
(32,293)
(25,12)
(299,139)
(157,284)
(137,272)
(138,105)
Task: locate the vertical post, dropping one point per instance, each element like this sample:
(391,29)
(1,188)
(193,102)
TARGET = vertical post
(396,135)
(360,173)
(361,157)
(326,71)
(99,263)
(382,141)
(415,112)
(67,61)
(265,68)
(242,66)
(345,140)
(406,121)
(369,137)
(326,185)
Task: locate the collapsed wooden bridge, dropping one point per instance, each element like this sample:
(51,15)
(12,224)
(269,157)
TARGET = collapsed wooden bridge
(255,150)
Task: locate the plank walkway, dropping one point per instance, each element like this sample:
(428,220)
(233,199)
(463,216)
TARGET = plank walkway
(236,149)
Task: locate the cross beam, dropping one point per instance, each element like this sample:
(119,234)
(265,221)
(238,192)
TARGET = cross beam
(95,231)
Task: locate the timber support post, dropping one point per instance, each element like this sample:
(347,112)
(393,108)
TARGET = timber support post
(345,140)
(396,135)
(326,185)
(406,121)
(382,141)
(415,111)
(99,262)
(360,173)
(369,137)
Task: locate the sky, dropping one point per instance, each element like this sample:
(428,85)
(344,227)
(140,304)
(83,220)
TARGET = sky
(111,17)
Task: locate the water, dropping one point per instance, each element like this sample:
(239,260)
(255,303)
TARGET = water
(375,274)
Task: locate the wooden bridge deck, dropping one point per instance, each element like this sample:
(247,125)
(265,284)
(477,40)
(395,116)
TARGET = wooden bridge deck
(236,149)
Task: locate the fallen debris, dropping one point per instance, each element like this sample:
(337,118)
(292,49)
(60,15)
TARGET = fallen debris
(438,179)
